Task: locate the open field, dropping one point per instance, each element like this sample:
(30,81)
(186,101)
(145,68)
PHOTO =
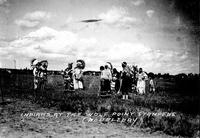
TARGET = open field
(184,123)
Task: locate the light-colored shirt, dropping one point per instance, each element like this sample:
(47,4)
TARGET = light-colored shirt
(142,76)
(106,74)
(78,73)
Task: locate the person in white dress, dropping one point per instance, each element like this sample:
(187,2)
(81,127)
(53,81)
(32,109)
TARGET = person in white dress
(78,76)
(142,77)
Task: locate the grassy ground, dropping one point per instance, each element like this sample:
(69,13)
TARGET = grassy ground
(15,124)
(184,123)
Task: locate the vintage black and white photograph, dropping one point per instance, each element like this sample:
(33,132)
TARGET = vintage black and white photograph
(99,68)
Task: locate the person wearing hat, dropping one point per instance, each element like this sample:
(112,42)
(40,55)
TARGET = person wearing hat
(126,80)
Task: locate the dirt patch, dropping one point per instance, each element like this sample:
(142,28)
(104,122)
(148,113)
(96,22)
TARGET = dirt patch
(17,122)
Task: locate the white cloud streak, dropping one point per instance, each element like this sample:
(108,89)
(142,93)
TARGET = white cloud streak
(33,19)
(118,16)
(2,2)
(138,2)
(66,46)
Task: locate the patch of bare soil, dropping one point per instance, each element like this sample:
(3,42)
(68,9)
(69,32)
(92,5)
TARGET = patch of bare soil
(17,122)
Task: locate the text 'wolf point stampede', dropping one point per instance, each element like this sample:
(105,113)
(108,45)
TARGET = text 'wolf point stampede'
(119,117)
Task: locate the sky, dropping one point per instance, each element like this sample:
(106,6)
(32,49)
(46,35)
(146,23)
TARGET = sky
(156,35)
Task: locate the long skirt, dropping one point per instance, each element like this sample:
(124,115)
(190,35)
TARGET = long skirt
(141,86)
(126,85)
(107,85)
(78,84)
(102,86)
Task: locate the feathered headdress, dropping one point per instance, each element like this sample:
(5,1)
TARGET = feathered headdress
(80,63)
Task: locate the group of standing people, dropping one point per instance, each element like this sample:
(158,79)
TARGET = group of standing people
(39,75)
(73,77)
(125,81)
(110,79)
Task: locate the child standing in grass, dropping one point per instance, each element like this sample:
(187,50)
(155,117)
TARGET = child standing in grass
(151,85)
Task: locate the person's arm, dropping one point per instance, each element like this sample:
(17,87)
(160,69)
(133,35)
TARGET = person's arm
(145,76)
(110,75)
(34,72)
(81,74)
(120,82)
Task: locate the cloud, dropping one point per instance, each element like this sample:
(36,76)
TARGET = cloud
(150,13)
(65,46)
(37,16)
(4,6)
(126,50)
(138,2)
(149,59)
(27,23)
(2,2)
(119,17)
(49,43)
(48,40)
(33,19)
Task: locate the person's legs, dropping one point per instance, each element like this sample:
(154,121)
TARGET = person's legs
(143,87)
(117,85)
(125,88)
(140,87)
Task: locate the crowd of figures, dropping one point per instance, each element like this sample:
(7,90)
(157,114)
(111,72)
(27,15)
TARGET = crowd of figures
(73,76)
(130,79)
(39,72)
